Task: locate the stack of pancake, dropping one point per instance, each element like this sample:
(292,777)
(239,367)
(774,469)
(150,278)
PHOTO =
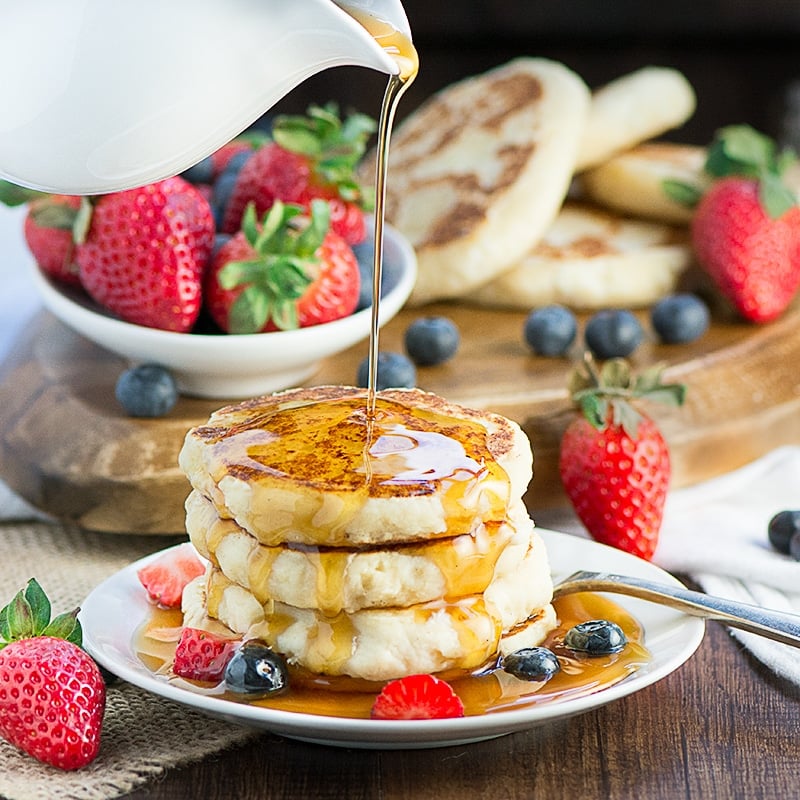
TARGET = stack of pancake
(366,545)
(485,175)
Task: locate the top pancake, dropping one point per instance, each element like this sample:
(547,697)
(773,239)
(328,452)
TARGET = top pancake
(295,466)
(479,171)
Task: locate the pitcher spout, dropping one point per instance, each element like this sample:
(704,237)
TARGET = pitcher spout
(129,92)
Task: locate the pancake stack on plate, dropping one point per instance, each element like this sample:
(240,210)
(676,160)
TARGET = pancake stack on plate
(369,547)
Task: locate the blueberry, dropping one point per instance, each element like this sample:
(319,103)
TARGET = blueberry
(225,183)
(365,254)
(680,318)
(782,528)
(432,340)
(256,670)
(532,664)
(613,333)
(794,547)
(395,371)
(550,331)
(201,172)
(597,637)
(147,390)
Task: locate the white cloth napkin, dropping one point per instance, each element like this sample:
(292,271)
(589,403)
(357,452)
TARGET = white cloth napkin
(717,533)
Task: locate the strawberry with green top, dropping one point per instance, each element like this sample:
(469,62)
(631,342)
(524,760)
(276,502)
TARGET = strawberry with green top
(746,224)
(52,695)
(614,462)
(287,271)
(311,157)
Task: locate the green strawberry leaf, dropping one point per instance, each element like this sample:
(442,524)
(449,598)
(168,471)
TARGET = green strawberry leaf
(20,618)
(250,311)
(775,196)
(740,150)
(595,409)
(684,193)
(12,195)
(39,605)
(65,626)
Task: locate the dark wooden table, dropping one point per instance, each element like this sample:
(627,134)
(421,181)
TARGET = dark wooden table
(720,727)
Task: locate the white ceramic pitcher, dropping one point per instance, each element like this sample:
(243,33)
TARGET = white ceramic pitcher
(101,95)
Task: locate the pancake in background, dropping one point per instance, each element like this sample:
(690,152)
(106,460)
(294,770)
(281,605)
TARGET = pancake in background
(590,259)
(632,182)
(632,109)
(479,171)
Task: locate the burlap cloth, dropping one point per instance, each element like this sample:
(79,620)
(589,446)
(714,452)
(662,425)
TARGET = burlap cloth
(143,736)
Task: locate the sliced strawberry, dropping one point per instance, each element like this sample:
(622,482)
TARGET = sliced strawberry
(202,656)
(417,697)
(166,577)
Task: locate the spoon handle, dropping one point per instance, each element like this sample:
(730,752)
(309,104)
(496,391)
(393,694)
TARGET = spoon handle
(775,625)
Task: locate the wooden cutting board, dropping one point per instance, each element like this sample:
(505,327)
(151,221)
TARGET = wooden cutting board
(67,447)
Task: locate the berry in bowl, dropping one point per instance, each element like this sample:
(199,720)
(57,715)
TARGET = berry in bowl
(240,276)
(216,364)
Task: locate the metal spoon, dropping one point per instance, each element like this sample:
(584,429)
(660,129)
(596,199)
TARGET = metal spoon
(775,625)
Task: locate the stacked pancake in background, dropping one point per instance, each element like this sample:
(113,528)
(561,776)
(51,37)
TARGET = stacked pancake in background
(366,546)
(504,185)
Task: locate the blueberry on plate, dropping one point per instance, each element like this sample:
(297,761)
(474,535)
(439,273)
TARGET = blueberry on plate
(613,333)
(782,528)
(147,390)
(680,318)
(550,330)
(256,670)
(432,340)
(395,371)
(597,637)
(532,664)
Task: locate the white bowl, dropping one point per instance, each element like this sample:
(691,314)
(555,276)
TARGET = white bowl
(235,366)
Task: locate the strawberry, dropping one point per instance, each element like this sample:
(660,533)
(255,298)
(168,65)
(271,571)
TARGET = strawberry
(48,230)
(614,462)
(143,253)
(311,157)
(286,272)
(202,656)
(417,697)
(52,695)
(167,575)
(746,224)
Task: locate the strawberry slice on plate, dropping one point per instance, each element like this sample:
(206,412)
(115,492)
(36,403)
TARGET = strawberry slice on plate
(166,576)
(417,697)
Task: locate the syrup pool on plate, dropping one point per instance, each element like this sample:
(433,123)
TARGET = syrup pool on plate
(486,691)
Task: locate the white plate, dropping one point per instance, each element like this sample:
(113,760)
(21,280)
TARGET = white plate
(236,367)
(115,609)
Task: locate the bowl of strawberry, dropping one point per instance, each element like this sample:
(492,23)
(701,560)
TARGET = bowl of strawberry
(238,277)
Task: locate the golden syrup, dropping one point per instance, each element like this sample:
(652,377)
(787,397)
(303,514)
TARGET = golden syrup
(310,459)
(401,49)
(486,691)
(465,564)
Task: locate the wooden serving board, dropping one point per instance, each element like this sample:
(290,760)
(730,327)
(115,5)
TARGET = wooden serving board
(68,449)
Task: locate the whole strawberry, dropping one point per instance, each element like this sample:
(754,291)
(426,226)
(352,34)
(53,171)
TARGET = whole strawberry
(49,233)
(288,271)
(52,695)
(312,157)
(746,224)
(144,251)
(614,462)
